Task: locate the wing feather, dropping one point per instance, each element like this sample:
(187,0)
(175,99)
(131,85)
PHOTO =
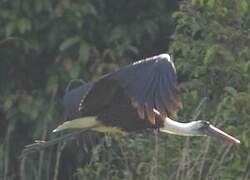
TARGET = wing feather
(172,97)
(149,90)
(149,84)
(150,99)
(74,98)
(159,101)
(166,95)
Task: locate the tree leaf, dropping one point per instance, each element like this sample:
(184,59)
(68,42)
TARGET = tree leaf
(210,54)
(10,28)
(116,34)
(211,3)
(84,51)
(244,6)
(52,84)
(231,90)
(24,25)
(69,42)
(75,71)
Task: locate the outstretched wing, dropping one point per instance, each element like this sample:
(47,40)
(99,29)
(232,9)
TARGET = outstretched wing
(150,84)
(72,99)
(90,99)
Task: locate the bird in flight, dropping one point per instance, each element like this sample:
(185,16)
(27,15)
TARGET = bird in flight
(140,96)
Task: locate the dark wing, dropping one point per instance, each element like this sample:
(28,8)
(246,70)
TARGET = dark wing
(72,99)
(90,99)
(149,84)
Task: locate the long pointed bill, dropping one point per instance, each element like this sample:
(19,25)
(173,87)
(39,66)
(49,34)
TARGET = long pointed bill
(215,132)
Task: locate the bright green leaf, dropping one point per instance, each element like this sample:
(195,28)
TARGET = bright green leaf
(210,54)
(211,3)
(244,6)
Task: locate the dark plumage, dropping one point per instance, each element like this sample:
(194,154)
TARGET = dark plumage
(126,98)
(130,99)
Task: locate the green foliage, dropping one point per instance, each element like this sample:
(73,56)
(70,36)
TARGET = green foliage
(46,44)
(209,43)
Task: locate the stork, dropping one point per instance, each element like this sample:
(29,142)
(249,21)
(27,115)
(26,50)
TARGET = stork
(142,95)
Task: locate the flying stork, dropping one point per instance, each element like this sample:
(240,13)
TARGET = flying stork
(142,95)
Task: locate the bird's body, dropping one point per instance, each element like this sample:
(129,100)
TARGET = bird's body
(120,113)
(142,95)
(126,98)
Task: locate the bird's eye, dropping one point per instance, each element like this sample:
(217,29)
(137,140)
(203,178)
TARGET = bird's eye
(204,124)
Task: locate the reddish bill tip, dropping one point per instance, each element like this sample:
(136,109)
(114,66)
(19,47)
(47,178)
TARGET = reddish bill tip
(215,132)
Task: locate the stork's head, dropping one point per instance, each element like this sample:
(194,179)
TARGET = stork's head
(196,128)
(210,130)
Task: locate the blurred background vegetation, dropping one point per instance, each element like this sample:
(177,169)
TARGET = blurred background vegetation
(46,44)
